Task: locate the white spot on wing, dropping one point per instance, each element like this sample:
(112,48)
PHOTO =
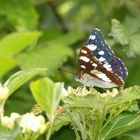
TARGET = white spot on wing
(91,47)
(101,52)
(94,71)
(102,59)
(84,58)
(121,72)
(97,29)
(92,37)
(105,78)
(105,42)
(94,64)
(101,75)
(84,51)
(107,66)
(82,66)
(109,69)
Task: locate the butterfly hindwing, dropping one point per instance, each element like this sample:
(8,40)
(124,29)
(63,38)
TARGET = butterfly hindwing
(118,67)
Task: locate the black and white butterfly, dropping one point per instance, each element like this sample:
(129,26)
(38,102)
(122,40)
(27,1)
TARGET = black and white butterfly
(97,64)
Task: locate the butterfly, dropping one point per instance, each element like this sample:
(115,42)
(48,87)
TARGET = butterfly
(97,64)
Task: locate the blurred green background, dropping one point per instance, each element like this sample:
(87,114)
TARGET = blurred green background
(50,33)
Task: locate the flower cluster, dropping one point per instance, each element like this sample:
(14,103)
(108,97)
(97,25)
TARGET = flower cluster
(81,91)
(9,122)
(112,93)
(30,122)
(27,122)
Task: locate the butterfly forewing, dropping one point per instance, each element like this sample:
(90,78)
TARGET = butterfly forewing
(98,66)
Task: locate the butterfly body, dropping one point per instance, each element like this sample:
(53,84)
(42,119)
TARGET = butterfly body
(97,64)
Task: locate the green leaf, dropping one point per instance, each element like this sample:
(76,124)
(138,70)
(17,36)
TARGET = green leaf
(131,135)
(6,65)
(50,57)
(67,39)
(106,111)
(94,99)
(47,94)
(15,42)
(133,7)
(19,78)
(132,27)
(134,46)
(127,95)
(60,120)
(50,34)
(119,32)
(21,14)
(120,124)
(90,101)
(9,135)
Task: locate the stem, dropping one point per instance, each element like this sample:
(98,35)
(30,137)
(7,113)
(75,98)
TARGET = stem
(76,133)
(99,124)
(114,113)
(50,130)
(1,110)
(49,134)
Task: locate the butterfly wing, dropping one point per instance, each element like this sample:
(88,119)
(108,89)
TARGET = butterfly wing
(98,66)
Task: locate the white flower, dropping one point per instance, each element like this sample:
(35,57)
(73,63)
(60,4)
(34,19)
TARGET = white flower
(81,91)
(64,92)
(5,121)
(9,122)
(3,92)
(115,92)
(112,93)
(29,122)
(15,116)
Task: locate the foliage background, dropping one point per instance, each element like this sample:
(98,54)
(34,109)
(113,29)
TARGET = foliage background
(50,33)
